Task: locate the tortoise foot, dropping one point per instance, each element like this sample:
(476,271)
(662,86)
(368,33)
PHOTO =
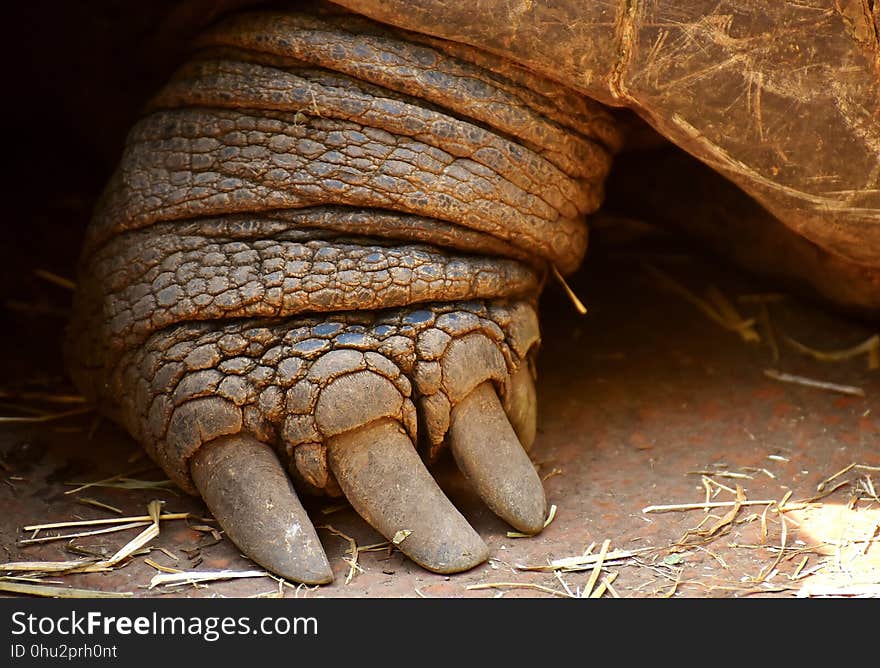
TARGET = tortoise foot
(321,255)
(359,405)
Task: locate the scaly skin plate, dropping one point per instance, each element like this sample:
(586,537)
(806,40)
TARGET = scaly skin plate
(318,262)
(328,237)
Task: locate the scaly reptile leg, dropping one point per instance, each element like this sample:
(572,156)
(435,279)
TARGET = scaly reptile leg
(321,254)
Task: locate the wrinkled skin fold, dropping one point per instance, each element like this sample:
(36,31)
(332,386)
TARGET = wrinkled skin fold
(318,263)
(782,98)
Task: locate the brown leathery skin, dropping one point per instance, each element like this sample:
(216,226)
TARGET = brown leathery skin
(793,120)
(366,51)
(155,278)
(321,234)
(193,383)
(304,174)
(782,98)
(190,163)
(263,203)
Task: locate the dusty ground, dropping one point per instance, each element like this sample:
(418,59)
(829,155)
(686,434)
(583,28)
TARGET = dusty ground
(644,401)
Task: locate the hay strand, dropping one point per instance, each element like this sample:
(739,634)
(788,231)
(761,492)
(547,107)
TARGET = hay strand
(597,568)
(83,534)
(50,591)
(850,390)
(518,585)
(193,577)
(46,418)
(108,520)
(578,304)
(55,279)
(98,504)
(583,562)
(720,311)
(700,506)
(870,347)
(550,517)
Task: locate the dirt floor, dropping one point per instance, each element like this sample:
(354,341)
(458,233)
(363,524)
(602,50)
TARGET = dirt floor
(644,401)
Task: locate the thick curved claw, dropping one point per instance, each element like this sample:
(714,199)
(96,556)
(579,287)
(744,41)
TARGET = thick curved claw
(248,492)
(386,482)
(521,406)
(492,458)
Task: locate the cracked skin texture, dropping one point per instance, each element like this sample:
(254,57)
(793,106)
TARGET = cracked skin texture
(318,209)
(782,98)
(315,209)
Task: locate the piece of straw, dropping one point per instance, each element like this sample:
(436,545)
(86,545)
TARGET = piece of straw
(812,382)
(725,316)
(60,592)
(550,516)
(108,520)
(154,509)
(47,418)
(192,577)
(517,585)
(701,506)
(44,566)
(605,584)
(82,534)
(99,504)
(578,304)
(870,347)
(583,562)
(52,277)
(100,483)
(597,568)
(846,469)
(160,567)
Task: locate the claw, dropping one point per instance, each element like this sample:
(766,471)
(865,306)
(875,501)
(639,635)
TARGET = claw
(383,477)
(247,490)
(521,406)
(491,457)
